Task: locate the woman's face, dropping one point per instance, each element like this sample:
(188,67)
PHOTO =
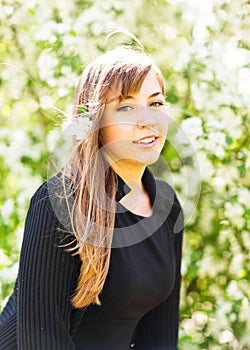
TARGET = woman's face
(134,128)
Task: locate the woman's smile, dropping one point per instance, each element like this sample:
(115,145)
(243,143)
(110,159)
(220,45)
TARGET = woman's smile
(147,141)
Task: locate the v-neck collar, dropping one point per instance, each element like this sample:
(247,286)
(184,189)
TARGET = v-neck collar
(161,194)
(132,228)
(148,181)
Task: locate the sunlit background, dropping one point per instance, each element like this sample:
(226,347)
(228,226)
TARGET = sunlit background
(203,50)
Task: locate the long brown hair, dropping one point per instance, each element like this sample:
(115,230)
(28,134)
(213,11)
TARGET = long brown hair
(94,182)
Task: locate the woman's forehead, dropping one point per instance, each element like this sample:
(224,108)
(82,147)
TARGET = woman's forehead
(117,92)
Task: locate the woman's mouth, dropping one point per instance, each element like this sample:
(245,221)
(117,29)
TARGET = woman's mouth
(147,141)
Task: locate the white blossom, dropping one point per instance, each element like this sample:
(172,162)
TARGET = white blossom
(7,209)
(226,336)
(8,274)
(200,319)
(46,30)
(236,264)
(244,196)
(233,210)
(4,260)
(77,127)
(190,130)
(46,64)
(189,326)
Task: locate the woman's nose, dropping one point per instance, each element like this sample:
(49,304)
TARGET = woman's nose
(145,117)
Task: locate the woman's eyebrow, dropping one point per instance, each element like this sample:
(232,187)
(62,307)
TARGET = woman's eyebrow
(121,98)
(156,94)
(131,97)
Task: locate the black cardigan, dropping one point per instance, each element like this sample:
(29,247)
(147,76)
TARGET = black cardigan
(39,314)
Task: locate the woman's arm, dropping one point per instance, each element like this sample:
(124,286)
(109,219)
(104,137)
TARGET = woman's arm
(46,280)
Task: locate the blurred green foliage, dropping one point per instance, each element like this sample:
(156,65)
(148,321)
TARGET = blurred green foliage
(203,50)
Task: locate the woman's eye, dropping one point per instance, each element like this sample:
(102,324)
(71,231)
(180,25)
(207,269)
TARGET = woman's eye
(124,108)
(157,104)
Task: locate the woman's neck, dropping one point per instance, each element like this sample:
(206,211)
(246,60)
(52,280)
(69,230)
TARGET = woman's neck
(131,175)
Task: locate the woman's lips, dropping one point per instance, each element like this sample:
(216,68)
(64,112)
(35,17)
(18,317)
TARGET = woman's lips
(147,141)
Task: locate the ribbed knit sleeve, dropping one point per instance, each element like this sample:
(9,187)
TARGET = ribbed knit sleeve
(8,323)
(158,329)
(46,278)
(8,334)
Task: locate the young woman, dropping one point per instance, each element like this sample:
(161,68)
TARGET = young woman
(101,254)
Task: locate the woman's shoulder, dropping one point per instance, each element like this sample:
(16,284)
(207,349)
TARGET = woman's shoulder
(54,195)
(168,191)
(171,200)
(57,186)
(52,186)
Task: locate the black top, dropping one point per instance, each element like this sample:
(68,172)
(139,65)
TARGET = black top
(140,298)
